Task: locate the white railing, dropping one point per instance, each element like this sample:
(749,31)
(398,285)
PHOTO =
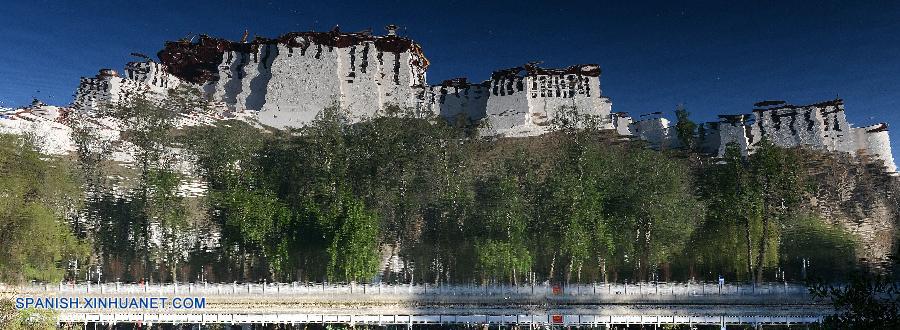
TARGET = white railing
(572,290)
(557,319)
(728,303)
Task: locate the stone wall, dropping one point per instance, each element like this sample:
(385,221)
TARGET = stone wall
(153,75)
(621,122)
(734,129)
(457,99)
(874,141)
(821,126)
(289,80)
(508,111)
(524,101)
(146,78)
(106,88)
(791,126)
(654,129)
(304,83)
(44,123)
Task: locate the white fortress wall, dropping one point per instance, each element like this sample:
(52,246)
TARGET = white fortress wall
(733,129)
(153,75)
(257,75)
(546,91)
(508,111)
(550,93)
(838,133)
(621,122)
(360,80)
(250,72)
(822,125)
(456,97)
(289,80)
(146,78)
(105,88)
(304,82)
(228,85)
(404,79)
(874,141)
(791,127)
(40,122)
(654,129)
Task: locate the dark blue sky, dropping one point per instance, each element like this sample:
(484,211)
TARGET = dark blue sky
(716,57)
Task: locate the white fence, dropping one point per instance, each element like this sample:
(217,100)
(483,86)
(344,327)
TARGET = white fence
(677,303)
(573,290)
(558,319)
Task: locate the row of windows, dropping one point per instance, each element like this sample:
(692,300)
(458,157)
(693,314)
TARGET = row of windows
(545,86)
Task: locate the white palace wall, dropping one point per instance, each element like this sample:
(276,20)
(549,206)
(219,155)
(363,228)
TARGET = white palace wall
(524,101)
(821,126)
(289,86)
(457,98)
(287,82)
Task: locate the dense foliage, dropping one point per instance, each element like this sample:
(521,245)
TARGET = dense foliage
(25,319)
(37,196)
(408,197)
(867,301)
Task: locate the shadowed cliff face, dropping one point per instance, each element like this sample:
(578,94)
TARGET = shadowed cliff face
(860,197)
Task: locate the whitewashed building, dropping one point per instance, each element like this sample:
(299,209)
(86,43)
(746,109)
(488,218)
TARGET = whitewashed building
(287,81)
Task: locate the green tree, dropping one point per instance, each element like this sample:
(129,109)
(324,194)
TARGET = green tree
(501,259)
(148,126)
(733,220)
(260,221)
(165,206)
(502,222)
(226,153)
(353,252)
(39,196)
(228,157)
(649,196)
(781,181)
(685,128)
(404,166)
(826,249)
(26,319)
(573,207)
(758,195)
(867,301)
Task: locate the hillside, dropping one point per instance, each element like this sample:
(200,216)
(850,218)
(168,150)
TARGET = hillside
(410,199)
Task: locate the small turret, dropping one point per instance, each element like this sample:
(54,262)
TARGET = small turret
(107,73)
(391,29)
